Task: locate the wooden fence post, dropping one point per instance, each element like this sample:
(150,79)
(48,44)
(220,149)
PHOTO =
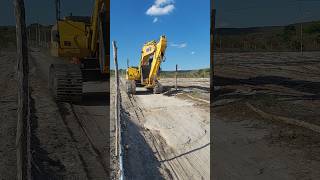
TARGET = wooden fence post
(212,48)
(176,77)
(23,123)
(117,104)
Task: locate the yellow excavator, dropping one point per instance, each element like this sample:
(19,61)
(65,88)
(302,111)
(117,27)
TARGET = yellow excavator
(147,73)
(83,43)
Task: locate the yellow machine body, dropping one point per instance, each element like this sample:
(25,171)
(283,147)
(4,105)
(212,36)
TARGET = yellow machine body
(152,55)
(79,37)
(73,41)
(85,42)
(132,74)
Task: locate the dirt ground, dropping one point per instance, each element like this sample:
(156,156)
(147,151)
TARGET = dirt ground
(74,137)
(262,103)
(114,161)
(196,88)
(8,114)
(166,135)
(68,141)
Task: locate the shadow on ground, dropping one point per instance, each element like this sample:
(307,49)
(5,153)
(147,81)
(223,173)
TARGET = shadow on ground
(148,92)
(206,89)
(95,99)
(189,152)
(140,161)
(42,167)
(297,85)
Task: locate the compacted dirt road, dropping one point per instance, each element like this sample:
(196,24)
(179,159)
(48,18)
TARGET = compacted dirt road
(166,137)
(70,140)
(265,116)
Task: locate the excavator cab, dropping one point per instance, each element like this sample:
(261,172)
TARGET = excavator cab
(146,69)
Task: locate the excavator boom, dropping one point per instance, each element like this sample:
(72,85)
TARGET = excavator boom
(157,60)
(146,74)
(95,24)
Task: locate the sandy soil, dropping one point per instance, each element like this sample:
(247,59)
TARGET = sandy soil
(8,114)
(71,139)
(247,145)
(194,87)
(166,137)
(114,161)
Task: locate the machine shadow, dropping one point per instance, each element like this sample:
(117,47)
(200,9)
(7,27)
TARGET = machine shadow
(206,89)
(95,99)
(148,92)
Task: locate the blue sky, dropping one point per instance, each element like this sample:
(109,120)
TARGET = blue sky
(185,23)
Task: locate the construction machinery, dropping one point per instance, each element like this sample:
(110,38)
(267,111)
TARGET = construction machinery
(83,43)
(147,73)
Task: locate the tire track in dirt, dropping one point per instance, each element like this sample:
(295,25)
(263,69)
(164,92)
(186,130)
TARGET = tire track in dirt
(64,111)
(89,154)
(93,146)
(173,165)
(157,141)
(129,104)
(254,144)
(79,157)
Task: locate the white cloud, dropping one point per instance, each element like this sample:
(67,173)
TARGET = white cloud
(161,7)
(192,53)
(155,20)
(163,2)
(182,45)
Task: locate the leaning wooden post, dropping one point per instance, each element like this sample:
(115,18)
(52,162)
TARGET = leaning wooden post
(23,123)
(117,104)
(176,77)
(212,48)
(127,63)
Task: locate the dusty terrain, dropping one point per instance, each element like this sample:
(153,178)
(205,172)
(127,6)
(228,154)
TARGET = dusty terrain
(196,88)
(69,141)
(264,115)
(166,135)
(114,161)
(74,137)
(8,113)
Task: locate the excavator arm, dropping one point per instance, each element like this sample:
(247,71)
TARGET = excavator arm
(98,7)
(146,73)
(157,60)
(98,34)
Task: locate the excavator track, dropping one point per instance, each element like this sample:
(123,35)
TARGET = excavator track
(131,87)
(158,88)
(65,82)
